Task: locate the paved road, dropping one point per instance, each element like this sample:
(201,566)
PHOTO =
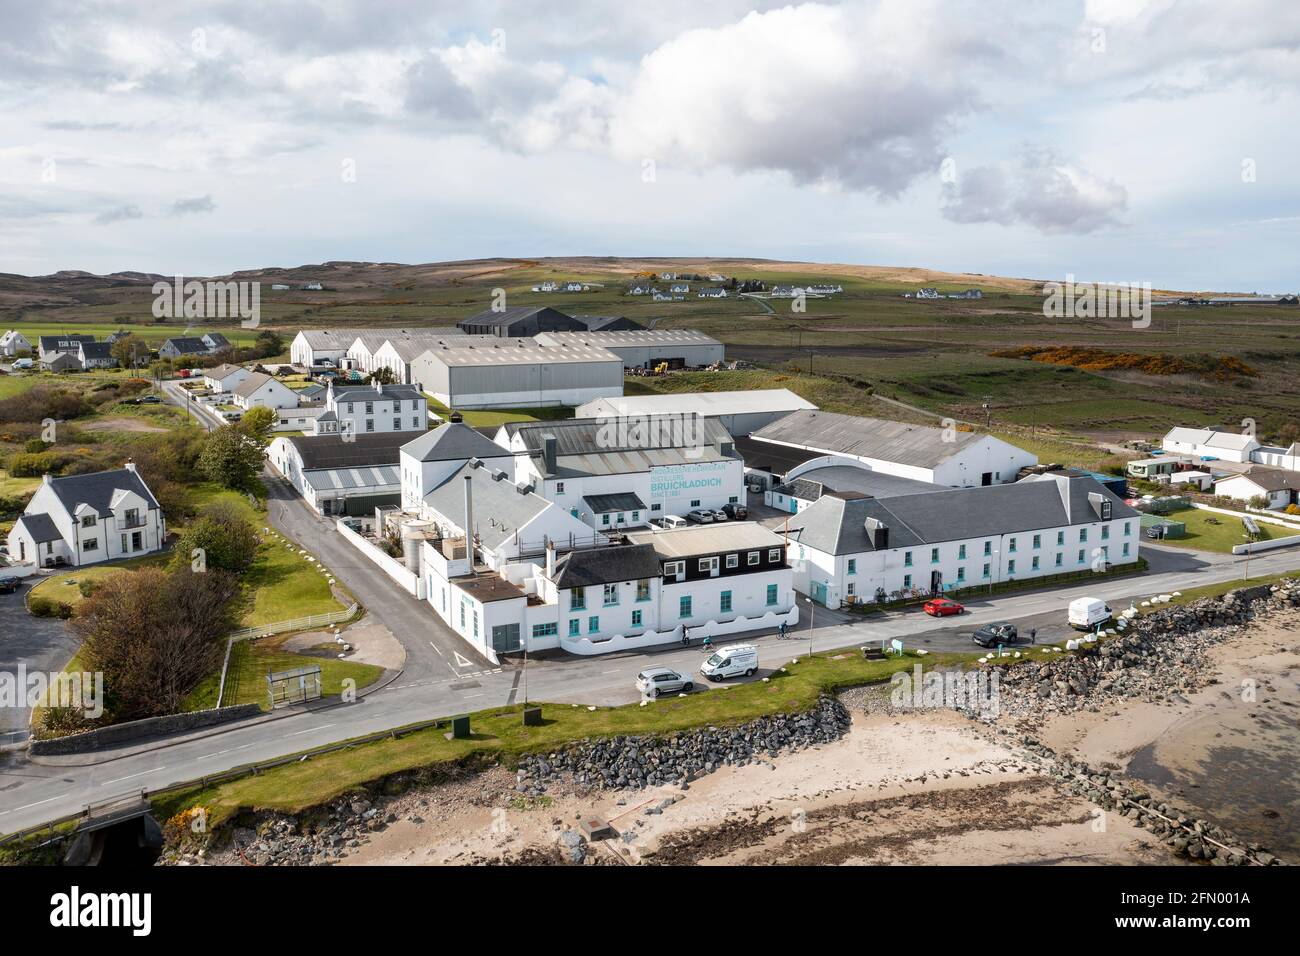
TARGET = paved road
(39,644)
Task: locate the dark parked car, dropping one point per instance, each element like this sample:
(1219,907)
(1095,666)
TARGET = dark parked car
(999,632)
(738,512)
(149,400)
(9,585)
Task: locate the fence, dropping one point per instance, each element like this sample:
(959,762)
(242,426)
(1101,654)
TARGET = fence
(407,579)
(309,623)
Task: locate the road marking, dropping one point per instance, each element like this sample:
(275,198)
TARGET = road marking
(30,805)
(435,647)
(130,775)
(616,670)
(470,696)
(309,730)
(461,661)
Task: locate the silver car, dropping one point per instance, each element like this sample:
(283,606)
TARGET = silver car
(656,681)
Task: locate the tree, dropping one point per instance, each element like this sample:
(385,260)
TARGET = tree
(231,458)
(382,375)
(223,538)
(155,635)
(130,351)
(268,343)
(258,423)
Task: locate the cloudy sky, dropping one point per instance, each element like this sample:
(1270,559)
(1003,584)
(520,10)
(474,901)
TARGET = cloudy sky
(1117,140)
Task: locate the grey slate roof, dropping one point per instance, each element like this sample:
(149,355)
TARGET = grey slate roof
(838,526)
(62,343)
(876,484)
(603,504)
(187,345)
(1272,479)
(368,393)
(905,444)
(41,527)
(544,315)
(91,351)
(500,507)
(331,451)
(453,441)
(251,384)
(97,488)
(624,562)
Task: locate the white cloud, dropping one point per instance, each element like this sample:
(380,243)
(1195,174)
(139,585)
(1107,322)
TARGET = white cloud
(1040,189)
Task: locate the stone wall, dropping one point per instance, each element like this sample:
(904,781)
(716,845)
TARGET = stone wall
(137,731)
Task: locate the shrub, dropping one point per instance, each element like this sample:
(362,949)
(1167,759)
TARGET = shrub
(40,606)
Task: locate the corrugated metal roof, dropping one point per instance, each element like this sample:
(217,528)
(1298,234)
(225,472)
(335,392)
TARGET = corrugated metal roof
(705,403)
(905,444)
(349,479)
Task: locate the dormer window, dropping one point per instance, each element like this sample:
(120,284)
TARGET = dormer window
(88,521)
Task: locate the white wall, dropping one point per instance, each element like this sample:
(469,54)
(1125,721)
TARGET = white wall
(889,569)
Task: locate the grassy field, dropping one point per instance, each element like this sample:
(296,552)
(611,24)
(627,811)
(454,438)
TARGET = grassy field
(501,732)
(251,661)
(1207,531)
(494,417)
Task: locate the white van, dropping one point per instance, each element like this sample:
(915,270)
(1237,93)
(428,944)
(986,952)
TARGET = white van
(734,660)
(668,522)
(1086,613)
(23,363)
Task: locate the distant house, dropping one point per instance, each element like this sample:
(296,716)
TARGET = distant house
(641,288)
(668,276)
(713,292)
(968,294)
(260,389)
(1278,487)
(824,289)
(14,342)
(311,287)
(51,347)
(928,293)
(668,296)
(547,286)
(215,341)
(183,347)
(575,287)
(96,355)
(225,377)
(86,519)
(118,336)
(279,287)
(785,291)
(679,288)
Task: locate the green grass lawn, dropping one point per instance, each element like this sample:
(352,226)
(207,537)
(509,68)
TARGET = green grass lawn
(249,664)
(1204,535)
(11,385)
(21,487)
(495,417)
(300,785)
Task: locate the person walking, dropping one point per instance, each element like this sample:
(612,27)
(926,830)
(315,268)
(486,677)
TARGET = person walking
(686,636)
(780,634)
(1033,635)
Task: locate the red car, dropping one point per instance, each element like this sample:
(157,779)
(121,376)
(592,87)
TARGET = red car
(942,607)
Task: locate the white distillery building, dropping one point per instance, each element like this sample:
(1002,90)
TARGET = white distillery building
(740,413)
(317,346)
(341,475)
(846,550)
(87,519)
(621,472)
(937,455)
(517,373)
(646,348)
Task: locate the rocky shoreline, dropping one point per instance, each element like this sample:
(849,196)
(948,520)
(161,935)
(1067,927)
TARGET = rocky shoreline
(1161,655)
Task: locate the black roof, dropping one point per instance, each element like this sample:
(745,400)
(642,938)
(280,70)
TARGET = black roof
(609,323)
(97,350)
(186,344)
(603,504)
(358,451)
(62,343)
(41,527)
(97,488)
(778,459)
(545,318)
(624,562)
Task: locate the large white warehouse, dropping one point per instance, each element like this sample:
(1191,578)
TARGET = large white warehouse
(517,373)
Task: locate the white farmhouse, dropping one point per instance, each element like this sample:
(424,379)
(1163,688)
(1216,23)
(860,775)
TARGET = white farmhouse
(1278,487)
(86,519)
(13,342)
(365,409)
(260,389)
(1210,443)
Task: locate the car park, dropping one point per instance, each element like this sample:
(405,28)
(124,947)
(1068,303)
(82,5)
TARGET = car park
(942,607)
(700,516)
(655,681)
(720,515)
